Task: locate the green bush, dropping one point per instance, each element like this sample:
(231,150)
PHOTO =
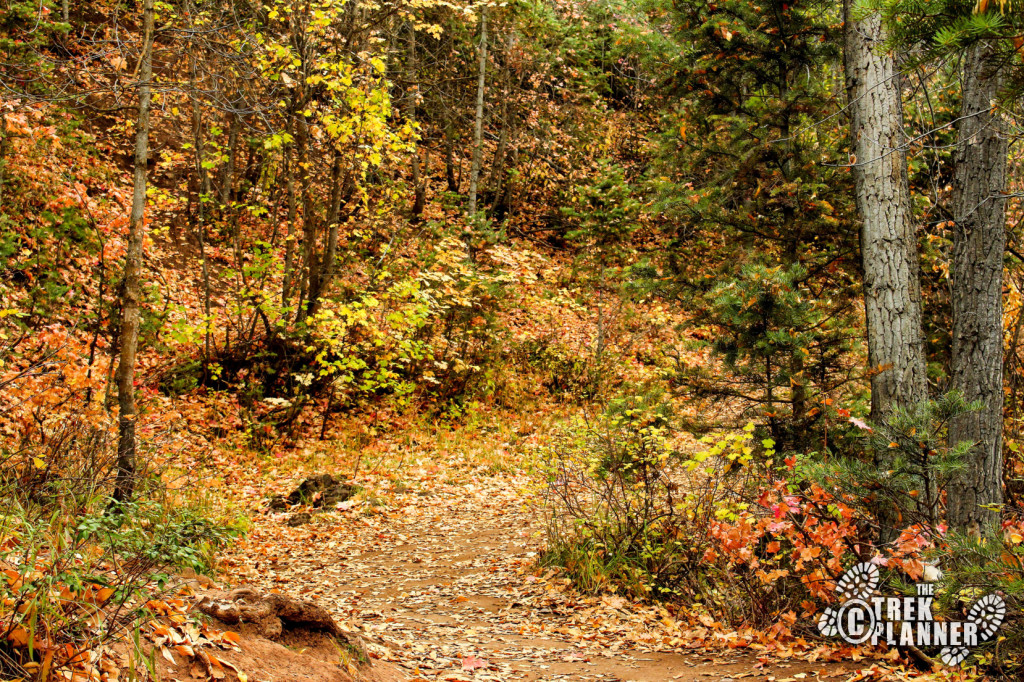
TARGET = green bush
(973,567)
(616,514)
(900,469)
(568,376)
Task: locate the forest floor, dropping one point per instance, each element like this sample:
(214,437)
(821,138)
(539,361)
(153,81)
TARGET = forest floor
(435,563)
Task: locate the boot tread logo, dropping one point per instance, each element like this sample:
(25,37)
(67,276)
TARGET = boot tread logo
(864,616)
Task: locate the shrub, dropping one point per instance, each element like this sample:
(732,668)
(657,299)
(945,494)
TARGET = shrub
(404,335)
(900,471)
(760,539)
(616,514)
(756,537)
(568,376)
(75,572)
(973,567)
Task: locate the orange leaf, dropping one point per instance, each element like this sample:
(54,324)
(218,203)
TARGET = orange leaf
(18,635)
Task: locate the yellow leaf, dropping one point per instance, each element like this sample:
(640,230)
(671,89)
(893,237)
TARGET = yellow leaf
(39,464)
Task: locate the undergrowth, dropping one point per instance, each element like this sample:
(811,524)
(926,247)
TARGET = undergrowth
(757,538)
(76,570)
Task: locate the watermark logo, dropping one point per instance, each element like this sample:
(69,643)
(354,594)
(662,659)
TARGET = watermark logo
(903,621)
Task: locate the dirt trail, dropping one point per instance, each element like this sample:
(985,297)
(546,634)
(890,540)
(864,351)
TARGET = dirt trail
(441,578)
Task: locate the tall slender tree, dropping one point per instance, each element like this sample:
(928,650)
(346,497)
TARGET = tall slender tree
(131,291)
(888,243)
(751,85)
(474,175)
(982,37)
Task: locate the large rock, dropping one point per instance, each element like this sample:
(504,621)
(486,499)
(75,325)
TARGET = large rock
(319,491)
(283,639)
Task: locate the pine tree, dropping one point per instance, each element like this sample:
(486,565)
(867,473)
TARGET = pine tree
(756,88)
(755,85)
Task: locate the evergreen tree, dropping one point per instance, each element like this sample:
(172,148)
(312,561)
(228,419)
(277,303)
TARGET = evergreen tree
(755,90)
(783,350)
(755,85)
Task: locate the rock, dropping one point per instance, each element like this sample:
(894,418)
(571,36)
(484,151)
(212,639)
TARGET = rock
(279,638)
(299,519)
(278,503)
(321,491)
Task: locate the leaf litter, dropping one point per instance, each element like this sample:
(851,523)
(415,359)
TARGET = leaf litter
(439,575)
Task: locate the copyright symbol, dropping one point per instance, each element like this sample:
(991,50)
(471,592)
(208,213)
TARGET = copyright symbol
(856,621)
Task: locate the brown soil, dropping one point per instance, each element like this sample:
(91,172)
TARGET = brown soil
(295,657)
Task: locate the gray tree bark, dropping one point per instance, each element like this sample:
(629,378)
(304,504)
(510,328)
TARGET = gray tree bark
(412,75)
(200,227)
(321,278)
(888,243)
(131,292)
(293,213)
(474,174)
(976,287)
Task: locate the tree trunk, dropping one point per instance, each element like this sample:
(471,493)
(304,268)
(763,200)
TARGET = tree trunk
(131,292)
(4,135)
(888,243)
(321,278)
(474,175)
(289,240)
(412,73)
(200,228)
(976,284)
(498,163)
(420,187)
(228,177)
(310,256)
(449,164)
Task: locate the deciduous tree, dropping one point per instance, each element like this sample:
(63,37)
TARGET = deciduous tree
(131,291)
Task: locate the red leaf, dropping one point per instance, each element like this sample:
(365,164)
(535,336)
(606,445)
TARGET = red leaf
(474,663)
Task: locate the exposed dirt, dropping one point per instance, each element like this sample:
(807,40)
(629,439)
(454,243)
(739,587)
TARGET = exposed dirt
(441,582)
(263,637)
(295,656)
